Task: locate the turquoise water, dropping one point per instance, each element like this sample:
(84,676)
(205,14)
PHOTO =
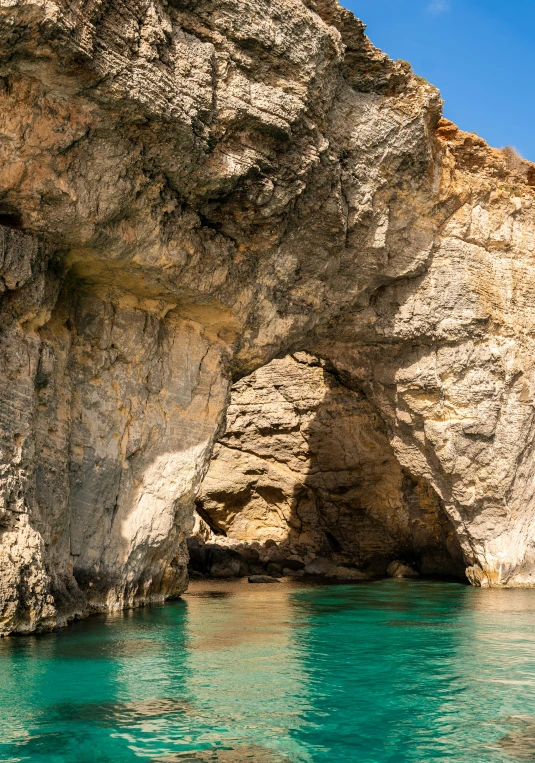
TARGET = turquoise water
(393,671)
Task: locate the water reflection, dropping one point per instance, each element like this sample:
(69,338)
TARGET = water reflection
(432,681)
(113,714)
(378,660)
(63,696)
(246,646)
(394,671)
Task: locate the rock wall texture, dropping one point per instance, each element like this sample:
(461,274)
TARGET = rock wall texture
(305,478)
(190,189)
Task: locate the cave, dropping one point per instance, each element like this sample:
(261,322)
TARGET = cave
(162,237)
(304,480)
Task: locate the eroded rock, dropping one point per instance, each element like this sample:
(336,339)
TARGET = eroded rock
(262,579)
(305,477)
(399,570)
(188,190)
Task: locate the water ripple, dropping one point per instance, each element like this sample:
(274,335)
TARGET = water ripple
(387,672)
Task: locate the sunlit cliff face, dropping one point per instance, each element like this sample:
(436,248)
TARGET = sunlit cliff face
(189,190)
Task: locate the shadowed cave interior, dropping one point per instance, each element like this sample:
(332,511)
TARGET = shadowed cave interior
(304,481)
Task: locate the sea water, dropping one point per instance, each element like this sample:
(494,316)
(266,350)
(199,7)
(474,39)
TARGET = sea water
(396,671)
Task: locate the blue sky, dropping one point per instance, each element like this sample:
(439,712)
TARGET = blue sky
(479,53)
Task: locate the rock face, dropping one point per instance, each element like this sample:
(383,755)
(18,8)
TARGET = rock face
(188,190)
(305,478)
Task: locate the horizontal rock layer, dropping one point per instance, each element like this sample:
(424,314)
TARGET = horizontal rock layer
(188,190)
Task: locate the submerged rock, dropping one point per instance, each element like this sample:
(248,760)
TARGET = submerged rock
(519,743)
(246,753)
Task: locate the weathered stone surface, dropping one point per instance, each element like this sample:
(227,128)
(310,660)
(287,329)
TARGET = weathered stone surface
(106,444)
(399,570)
(451,368)
(305,473)
(262,579)
(198,188)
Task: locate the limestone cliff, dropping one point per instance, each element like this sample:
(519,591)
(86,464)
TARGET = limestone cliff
(305,478)
(190,189)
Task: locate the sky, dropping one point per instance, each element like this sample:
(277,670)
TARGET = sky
(479,53)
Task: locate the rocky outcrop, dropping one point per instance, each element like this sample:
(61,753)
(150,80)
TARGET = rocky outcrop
(452,374)
(188,190)
(103,444)
(305,478)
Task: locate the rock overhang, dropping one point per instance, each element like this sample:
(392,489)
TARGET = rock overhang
(209,186)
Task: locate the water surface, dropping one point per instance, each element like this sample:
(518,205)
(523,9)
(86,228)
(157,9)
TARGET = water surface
(395,671)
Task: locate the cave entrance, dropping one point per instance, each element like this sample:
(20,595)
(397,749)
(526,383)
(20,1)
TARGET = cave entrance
(304,480)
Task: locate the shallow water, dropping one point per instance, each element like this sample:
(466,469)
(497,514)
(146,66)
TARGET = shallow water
(393,671)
